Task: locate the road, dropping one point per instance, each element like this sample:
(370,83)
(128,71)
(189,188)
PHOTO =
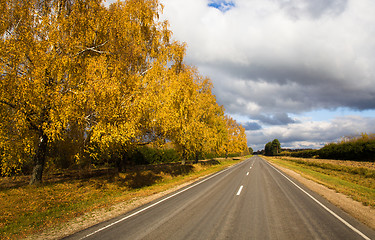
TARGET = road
(251,200)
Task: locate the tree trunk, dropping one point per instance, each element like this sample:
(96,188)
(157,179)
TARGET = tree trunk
(39,160)
(196,158)
(184,157)
(121,164)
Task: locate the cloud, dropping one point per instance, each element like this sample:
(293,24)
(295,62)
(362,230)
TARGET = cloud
(273,59)
(268,56)
(251,126)
(310,134)
(277,119)
(313,9)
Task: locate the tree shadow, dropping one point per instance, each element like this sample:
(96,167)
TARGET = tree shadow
(140,179)
(58,177)
(147,175)
(175,169)
(137,176)
(210,162)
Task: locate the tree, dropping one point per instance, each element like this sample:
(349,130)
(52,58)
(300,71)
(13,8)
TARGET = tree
(275,147)
(236,142)
(104,80)
(251,151)
(190,118)
(272,148)
(66,63)
(41,68)
(268,149)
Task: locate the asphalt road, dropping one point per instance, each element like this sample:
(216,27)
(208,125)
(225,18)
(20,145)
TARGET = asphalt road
(251,200)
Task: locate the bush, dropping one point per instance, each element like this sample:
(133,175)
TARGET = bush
(305,153)
(148,155)
(359,148)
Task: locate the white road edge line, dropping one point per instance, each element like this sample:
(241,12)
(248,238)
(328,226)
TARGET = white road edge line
(239,190)
(323,206)
(162,200)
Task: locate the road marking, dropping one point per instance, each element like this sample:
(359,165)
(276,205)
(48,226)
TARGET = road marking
(247,174)
(162,200)
(323,206)
(239,190)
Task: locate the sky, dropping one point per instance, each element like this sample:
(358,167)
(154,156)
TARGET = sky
(301,71)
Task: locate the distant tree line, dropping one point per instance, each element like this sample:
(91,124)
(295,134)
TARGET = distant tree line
(349,148)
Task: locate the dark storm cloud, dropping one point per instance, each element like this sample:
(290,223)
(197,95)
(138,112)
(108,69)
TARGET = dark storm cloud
(276,119)
(292,96)
(314,9)
(251,126)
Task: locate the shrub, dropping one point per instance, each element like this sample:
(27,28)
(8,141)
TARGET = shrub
(356,148)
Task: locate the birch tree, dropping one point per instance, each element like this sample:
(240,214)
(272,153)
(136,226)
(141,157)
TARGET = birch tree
(75,62)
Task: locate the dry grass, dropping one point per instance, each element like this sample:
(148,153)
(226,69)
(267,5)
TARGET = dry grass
(356,164)
(26,210)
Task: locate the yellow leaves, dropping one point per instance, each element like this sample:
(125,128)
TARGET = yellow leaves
(235,138)
(193,114)
(103,78)
(106,133)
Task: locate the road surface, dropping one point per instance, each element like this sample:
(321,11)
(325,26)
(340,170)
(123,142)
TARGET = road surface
(251,200)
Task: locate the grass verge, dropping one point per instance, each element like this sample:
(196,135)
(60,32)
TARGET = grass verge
(27,210)
(356,182)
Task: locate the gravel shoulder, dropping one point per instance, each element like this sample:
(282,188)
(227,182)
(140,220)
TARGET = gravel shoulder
(364,214)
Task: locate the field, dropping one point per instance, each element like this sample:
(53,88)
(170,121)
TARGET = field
(27,210)
(352,178)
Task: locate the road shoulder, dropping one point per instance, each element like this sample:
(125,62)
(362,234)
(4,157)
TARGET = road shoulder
(364,214)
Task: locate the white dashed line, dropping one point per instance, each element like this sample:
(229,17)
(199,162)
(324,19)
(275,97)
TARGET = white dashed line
(163,199)
(239,190)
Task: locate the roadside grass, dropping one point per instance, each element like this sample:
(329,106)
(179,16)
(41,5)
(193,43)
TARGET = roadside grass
(27,210)
(356,182)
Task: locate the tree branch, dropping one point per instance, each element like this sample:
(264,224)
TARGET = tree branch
(10,32)
(144,72)
(28,58)
(28,119)
(8,103)
(93,49)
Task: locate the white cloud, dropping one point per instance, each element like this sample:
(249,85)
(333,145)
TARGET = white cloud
(323,50)
(310,134)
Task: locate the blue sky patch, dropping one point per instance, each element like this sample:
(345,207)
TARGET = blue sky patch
(222,5)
